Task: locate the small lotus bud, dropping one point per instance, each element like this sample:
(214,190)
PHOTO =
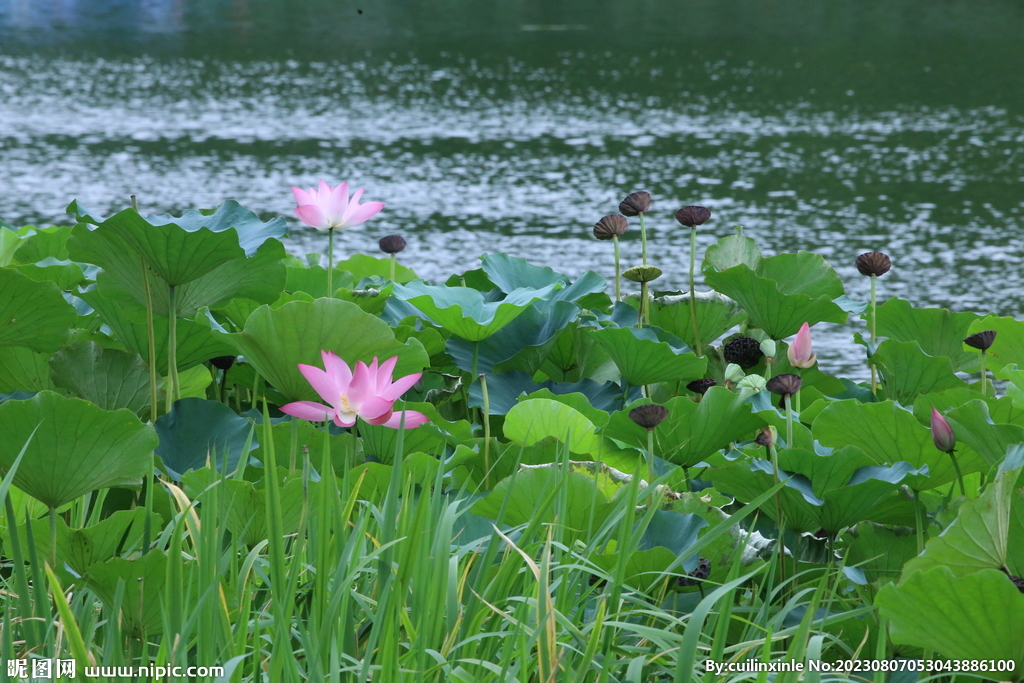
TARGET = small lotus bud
(701,386)
(755,382)
(768,347)
(873,263)
(649,416)
(692,216)
(743,351)
(733,372)
(799,352)
(610,226)
(766,437)
(222,362)
(981,340)
(942,433)
(785,384)
(392,244)
(642,274)
(635,204)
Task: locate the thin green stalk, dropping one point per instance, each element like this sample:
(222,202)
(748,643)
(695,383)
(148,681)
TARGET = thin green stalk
(874,369)
(643,239)
(693,300)
(172,349)
(330,262)
(779,515)
(293,447)
(487,432)
(393,259)
(650,458)
(984,375)
(918,504)
(147,533)
(644,304)
(53,536)
(618,271)
(959,475)
(789,421)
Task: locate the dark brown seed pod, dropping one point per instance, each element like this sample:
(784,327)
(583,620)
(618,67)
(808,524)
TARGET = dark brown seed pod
(981,340)
(873,263)
(785,384)
(649,416)
(642,274)
(701,386)
(702,571)
(610,226)
(635,204)
(764,437)
(222,362)
(392,244)
(743,351)
(692,216)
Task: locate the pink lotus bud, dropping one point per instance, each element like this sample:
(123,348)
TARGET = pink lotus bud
(799,353)
(942,433)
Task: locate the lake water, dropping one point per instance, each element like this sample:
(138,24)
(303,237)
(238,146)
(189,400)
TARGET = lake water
(836,127)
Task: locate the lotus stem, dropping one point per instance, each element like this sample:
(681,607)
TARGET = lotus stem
(330,262)
(984,375)
(293,447)
(796,398)
(693,300)
(779,514)
(487,432)
(643,238)
(959,475)
(172,348)
(618,270)
(686,476)
(393,259)
(874,369)
(789,421)
(650,459)
(644,306)
(53,537)
(917,519)
(147,530)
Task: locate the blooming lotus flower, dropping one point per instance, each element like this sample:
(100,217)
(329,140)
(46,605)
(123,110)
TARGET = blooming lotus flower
(330,208)
(367,393)
(799,352)
(942,433)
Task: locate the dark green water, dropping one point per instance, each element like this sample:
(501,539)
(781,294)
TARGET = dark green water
(837,127)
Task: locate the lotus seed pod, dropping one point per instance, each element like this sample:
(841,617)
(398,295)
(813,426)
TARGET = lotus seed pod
(766,437)
(702,571)
(873,263)
(222,362)
(610,226)
(692,216)
(649,416)
(981,340)
(785,384)
(642,274)
(635,204)
(392,244)
(743,351)
(701,386)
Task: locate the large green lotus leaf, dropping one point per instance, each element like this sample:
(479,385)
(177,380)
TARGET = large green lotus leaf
(33,314)
(109,378)
(536,419)
(275,341)
(11,239)
(987,433)
(78,448)
(504,391)
(907,372)
(987,533)
(586,499)
(197,431)
(252,232)
(781,307)
(1008,346)
(22,369)
(175,254)
(260,278)
(648,355)
(692,431)
(510,273)
(973,617)
(313,280)
(731,251)
(42,243)
(80,548)
(375,478)
(65,274)
(878,550)
(716,314)
(533,329)
(572,352)
(1015,378)
(244,504)
(309,442)
(889,434)
(380,441)
(644,570)
(937,330)
(464,311)
(363,265)
(145,585)
(197,343)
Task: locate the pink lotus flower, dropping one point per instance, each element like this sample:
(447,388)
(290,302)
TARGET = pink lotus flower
(330,208)
(368,393)
(799,352)
(942,434)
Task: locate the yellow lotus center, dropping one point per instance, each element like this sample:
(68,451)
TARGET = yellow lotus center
(345,407)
